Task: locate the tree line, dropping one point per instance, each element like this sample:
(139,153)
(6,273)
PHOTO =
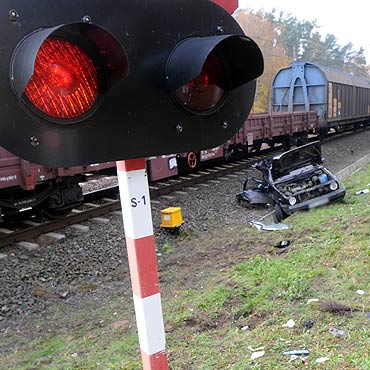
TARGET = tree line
(284,39)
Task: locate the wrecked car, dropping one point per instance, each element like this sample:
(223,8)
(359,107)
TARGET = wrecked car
(292,181)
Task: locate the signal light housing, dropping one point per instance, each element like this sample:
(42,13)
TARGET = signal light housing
(161,77)
(71,67)
(201,69)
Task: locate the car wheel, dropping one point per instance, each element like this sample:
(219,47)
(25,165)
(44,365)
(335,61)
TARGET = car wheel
(279,213)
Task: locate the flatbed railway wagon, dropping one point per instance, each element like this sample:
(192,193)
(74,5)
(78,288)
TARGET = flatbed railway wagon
(287,128)
(265,128)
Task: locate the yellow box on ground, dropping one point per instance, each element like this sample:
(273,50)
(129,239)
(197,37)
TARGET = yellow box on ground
(171,217)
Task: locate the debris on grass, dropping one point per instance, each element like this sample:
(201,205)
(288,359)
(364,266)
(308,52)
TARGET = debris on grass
(339,333)
(308,324)
(256,349)
(312,300)
(320,360)
(283,244)
(296,352)
(293,358)
(260,225)
(336,307)
(305,360)
(362,191)
(257,354)
(360,292)
(289,324)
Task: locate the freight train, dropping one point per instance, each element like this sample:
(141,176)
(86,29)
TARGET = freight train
(306,99)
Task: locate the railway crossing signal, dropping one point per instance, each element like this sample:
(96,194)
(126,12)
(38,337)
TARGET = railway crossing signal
(81,86)
(228,5)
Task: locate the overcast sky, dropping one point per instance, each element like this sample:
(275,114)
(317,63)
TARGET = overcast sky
(348,21)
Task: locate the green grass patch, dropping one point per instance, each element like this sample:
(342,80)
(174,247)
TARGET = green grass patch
(244,306)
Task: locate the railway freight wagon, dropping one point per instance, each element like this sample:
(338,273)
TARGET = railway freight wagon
(52,190)
(263,128)
(288,128)
(340,99)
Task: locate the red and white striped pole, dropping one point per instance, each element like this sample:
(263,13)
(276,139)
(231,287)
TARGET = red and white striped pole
(138,224)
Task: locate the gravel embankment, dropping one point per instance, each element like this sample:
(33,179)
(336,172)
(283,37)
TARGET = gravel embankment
(80,264)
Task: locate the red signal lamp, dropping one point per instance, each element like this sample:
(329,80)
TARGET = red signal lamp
(207,89)
(200,81)
(65,80)
(73,67)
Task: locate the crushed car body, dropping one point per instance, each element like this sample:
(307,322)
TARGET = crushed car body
(293,181)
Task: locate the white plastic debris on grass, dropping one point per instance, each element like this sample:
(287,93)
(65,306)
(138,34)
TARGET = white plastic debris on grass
(362,191)
(339,333)
(257,354)
(256,349)
(312,300)
(293,358)
(360,292)
(320,360)
(289,324)
(265,226)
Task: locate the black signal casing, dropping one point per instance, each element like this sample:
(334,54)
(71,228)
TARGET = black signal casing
(136,115)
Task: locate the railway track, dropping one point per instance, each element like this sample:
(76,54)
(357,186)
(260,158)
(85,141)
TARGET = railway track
(106,200)
(100,202)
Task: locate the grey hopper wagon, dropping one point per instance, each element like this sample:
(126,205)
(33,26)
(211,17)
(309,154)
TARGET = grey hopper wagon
(339,98)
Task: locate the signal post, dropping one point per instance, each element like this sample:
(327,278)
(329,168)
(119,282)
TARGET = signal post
(137,219)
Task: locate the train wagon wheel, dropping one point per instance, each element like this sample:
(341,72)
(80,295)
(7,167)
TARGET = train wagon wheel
(287,143)
(53,214)
(323,132)
(61,202)
(271,143)
(192,160)
(257,145)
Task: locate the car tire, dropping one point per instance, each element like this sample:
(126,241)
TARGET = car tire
(279,213)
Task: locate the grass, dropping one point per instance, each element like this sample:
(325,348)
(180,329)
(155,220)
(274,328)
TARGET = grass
(238,309)
(89,350)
